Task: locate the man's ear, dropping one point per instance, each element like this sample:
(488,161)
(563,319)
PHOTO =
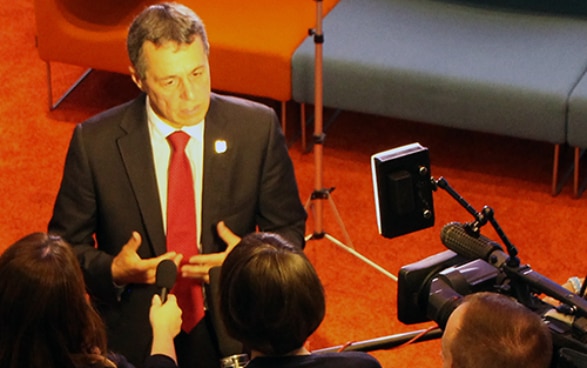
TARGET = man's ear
(135,78)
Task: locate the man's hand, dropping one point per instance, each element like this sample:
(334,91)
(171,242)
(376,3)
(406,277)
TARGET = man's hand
(128,268)
(230,238)
(199,265)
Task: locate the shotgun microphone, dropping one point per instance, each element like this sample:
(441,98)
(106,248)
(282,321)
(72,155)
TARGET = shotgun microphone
(456,238)
(165,277)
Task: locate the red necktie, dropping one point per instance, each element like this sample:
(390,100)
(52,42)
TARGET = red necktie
(181,228)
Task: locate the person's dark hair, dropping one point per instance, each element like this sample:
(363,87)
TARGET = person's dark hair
(271,298)
(498,332)
(162,23)
(45,317)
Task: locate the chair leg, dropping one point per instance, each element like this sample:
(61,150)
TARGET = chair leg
(53,106)
(576,170)
(555,168)
(578,185)
(560,175)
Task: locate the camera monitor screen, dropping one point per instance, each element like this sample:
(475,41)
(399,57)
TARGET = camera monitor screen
(403,190)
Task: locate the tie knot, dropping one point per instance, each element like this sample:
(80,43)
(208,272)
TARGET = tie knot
(178,140)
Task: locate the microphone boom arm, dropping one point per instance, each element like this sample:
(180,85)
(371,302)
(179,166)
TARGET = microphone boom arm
(481,219)
(522,276)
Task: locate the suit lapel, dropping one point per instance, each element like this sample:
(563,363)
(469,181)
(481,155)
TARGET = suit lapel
(137,155)
(218,151)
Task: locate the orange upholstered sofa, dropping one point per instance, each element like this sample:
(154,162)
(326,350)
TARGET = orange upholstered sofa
(252,41)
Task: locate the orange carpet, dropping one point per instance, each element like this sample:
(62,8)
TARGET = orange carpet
(510,175)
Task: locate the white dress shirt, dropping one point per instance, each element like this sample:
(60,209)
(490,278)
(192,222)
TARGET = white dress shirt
(158,131)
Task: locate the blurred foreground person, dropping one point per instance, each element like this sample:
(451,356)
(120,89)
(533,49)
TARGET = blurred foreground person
(47,320)
(490,330)
(272,300)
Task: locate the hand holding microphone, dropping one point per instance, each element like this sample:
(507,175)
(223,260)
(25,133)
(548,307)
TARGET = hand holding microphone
(165,314)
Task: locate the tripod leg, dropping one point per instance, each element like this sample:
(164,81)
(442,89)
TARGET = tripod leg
(340,223)
(325,194)
(316,209)
(361,257)
(320,193)
(308,205)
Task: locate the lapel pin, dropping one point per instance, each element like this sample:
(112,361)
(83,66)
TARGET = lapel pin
(220,146)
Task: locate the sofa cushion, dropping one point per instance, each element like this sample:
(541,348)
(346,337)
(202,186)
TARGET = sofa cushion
(568,7)
(471,67)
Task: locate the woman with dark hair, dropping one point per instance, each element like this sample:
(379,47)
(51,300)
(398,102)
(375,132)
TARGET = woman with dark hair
(272,300)
(47,320)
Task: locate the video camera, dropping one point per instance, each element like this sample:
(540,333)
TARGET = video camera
(430,289)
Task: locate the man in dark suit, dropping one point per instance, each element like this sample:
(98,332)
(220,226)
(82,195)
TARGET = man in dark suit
(112,202)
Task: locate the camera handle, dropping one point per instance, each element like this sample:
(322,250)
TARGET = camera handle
(481,219)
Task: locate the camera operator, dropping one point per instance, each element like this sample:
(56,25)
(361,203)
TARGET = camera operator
(491,330)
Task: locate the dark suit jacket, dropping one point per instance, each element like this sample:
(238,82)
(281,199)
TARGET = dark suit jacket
(109,190)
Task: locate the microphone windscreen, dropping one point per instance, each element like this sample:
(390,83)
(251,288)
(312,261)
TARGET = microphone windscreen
(166,274)
(455,237)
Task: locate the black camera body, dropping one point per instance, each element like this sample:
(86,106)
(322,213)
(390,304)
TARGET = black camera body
(431,289)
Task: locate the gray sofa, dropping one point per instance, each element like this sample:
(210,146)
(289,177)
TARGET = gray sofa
(577,130)
(503,69)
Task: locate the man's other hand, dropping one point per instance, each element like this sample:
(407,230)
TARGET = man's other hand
(129,268)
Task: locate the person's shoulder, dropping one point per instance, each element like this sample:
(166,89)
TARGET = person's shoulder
(119,360)
(159,361)
(235,102)
(152,361)
(115,114)
(348,359)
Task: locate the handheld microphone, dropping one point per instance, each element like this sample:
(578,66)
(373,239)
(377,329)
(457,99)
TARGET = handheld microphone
(165,277)
(456,238)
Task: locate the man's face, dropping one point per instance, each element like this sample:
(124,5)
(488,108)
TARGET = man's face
(452,326)
(177,81)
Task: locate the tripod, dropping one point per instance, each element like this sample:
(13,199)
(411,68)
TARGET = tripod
(320,194)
